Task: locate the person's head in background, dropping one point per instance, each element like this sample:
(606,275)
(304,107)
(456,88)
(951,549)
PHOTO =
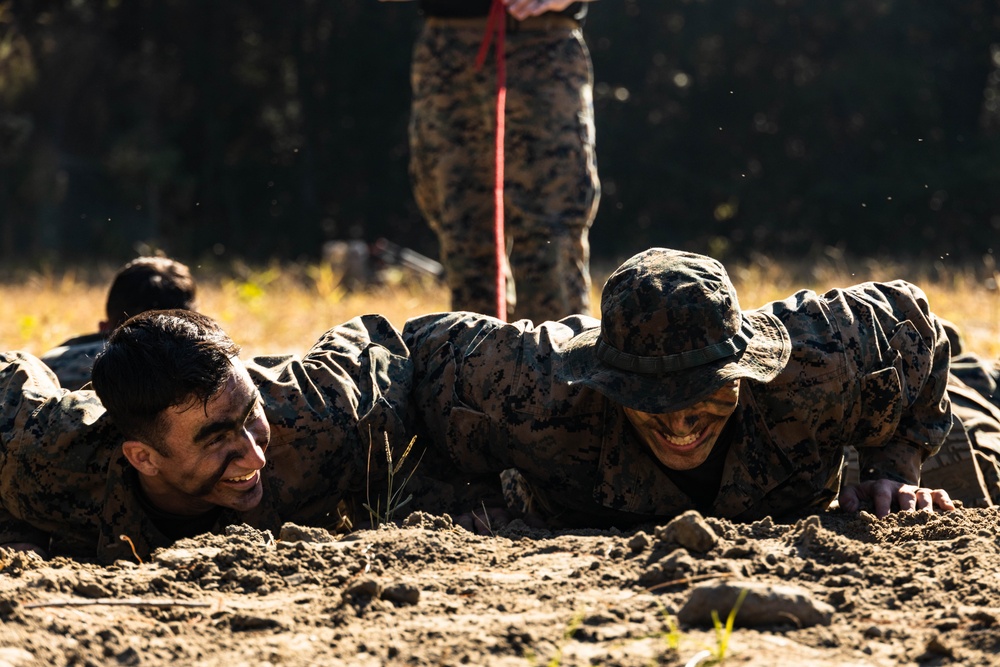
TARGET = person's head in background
(148,283)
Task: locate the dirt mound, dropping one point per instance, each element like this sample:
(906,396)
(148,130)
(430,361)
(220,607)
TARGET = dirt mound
(834,589)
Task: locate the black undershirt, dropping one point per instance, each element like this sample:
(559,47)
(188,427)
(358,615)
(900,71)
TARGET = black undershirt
(177,526)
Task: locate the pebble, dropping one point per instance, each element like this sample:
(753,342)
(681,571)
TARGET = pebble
(367,587)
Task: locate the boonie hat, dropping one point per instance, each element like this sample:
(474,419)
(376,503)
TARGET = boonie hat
(672,333)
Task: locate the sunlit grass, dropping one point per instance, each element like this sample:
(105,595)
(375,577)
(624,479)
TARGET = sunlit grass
(285,308)
(267,310)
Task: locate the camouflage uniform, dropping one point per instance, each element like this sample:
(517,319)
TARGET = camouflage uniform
(65,484)
(551,187)
(968,465)
(867,366)
(73,360)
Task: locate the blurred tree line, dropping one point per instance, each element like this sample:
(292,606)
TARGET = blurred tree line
(262,129)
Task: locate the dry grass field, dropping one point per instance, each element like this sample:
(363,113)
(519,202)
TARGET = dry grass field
(284,308)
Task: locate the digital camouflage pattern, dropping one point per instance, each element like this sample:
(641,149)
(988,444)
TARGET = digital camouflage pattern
(551,186)
(66,486)
(975,400)
(968,463)
(672,332)
(73,361)
(979,374)
(868,368)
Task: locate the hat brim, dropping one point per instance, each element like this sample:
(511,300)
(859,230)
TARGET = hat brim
(764,357)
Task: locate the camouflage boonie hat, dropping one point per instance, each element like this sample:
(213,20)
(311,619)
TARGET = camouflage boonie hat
(672,333)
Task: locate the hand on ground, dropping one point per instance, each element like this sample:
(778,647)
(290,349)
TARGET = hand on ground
(888,495)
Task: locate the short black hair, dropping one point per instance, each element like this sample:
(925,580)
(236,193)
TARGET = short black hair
(159,359)
(149,283)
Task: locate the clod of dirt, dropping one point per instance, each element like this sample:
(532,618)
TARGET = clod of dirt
(250,534)
(691,531)
(675,565)
(16,562)
(14,657)
(91,589)
(366,587)
(638,542)
(429,521)
(291,532)
(765,604)
(402,594)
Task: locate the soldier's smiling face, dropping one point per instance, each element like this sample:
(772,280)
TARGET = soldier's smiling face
(683,439)
(212,454)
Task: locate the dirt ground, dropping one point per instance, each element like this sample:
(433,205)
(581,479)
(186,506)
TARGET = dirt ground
(833,589)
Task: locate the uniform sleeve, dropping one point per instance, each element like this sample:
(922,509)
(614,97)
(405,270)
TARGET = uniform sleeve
(25,382)
(54,444)
(902,351)
(344,399)
(463,368)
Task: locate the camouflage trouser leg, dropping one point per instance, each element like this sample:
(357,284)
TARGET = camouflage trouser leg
(977,373)
(956,469)
(978,428)
(551,187)
(968,464)
(975,399)
(517,492)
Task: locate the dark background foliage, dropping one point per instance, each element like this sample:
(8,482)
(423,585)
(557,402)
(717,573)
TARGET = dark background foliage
(262,129)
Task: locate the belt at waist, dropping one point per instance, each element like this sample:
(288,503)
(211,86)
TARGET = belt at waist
(554,22)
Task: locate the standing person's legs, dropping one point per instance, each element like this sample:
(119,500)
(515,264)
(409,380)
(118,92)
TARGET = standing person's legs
(552,188)
(451,158)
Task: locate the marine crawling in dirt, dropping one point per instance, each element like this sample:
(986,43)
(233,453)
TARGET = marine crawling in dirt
(182,437)
(677,399)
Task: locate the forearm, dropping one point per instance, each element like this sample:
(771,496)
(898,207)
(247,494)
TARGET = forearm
(898,460)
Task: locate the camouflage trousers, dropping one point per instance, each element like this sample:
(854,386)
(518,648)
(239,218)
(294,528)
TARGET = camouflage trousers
(977,409)
(551,188)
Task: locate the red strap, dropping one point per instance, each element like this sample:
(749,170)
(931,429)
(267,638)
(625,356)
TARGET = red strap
(497,23)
